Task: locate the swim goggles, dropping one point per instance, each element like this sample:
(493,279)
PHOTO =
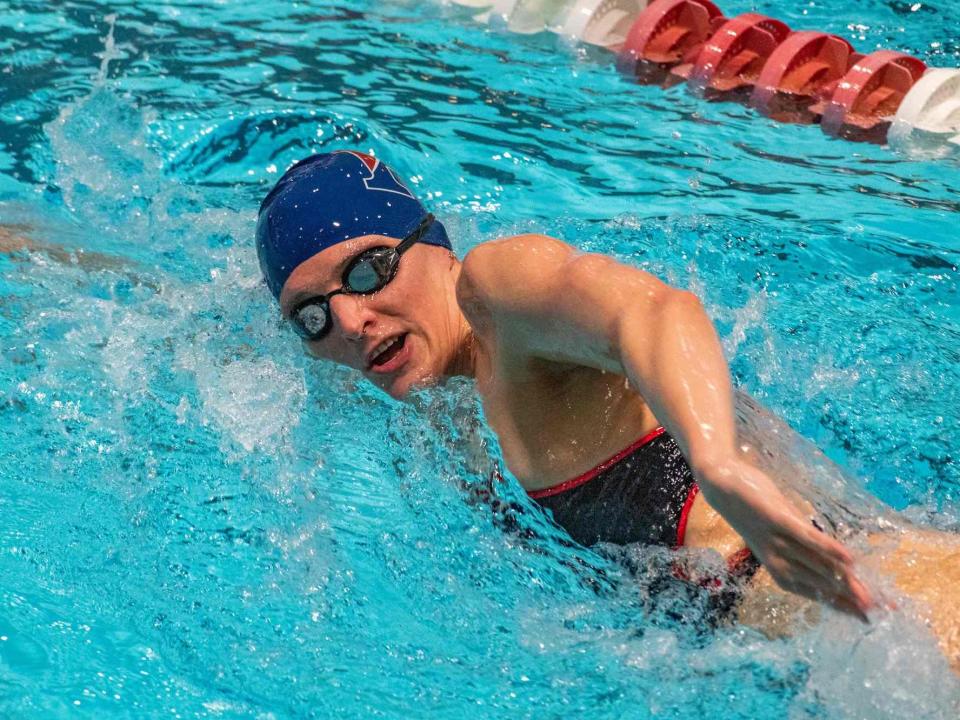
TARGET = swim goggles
(367,273)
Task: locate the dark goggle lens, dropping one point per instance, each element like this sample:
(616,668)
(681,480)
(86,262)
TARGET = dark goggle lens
(371,270)
(311,320)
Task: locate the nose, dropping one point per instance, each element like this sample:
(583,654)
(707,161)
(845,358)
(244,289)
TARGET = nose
(351,316)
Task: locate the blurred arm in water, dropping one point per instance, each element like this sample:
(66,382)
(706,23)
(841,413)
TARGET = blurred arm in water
(17,242)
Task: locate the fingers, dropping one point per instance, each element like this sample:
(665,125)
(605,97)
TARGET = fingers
(834,565)
(864,598)
(849,608)
(806,584)
(800,558)
(820,573)
(838,580)
(837,576)
(819,542)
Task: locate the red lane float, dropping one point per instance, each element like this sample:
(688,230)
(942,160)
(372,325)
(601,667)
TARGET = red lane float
(801,77)
(801,72)
(667,34)
(733,57)
(867,97)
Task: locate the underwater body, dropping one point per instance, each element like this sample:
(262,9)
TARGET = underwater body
(199,521)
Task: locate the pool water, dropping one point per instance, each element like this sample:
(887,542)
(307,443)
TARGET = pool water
(198,522)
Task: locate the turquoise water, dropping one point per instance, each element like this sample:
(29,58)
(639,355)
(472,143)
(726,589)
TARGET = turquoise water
(195,521)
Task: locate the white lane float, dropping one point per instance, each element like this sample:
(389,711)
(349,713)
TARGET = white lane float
(526,17)
(930,113)
(602,22)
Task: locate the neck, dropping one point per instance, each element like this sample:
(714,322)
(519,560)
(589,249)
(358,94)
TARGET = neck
(464,361)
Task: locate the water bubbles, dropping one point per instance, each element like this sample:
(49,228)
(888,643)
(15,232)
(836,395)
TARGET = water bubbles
(256,403)
(183,407)
(856,664)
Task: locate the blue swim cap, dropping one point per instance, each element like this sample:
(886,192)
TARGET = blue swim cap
(328,198)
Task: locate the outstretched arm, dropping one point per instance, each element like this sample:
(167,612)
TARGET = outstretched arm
(15,239)
(592,310)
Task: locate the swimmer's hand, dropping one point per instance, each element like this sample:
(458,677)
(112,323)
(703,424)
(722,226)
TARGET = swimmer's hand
(800,558)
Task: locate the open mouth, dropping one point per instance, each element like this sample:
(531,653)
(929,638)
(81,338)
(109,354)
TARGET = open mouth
(386,356)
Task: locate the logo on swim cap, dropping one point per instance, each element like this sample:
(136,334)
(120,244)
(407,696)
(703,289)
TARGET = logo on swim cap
(385,180)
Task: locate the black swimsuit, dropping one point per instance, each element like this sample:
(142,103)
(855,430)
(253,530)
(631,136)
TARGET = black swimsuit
(642,494)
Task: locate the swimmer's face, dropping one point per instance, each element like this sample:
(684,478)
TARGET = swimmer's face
(403,336)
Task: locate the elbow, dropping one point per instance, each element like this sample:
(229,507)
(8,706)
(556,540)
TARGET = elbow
(643,324)
(681,316)
(683,301)
(664,310)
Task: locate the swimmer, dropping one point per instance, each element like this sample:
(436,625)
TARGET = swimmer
(607,388)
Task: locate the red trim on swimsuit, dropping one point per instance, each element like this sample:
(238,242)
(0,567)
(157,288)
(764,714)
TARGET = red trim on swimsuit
(741,562)
(591,474)
(685,515)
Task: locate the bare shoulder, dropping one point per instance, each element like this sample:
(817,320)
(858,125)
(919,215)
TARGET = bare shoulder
(515,254)
(539,273)
(554,302)
(500,272)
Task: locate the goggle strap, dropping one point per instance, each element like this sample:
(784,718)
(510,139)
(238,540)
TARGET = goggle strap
(415,235)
